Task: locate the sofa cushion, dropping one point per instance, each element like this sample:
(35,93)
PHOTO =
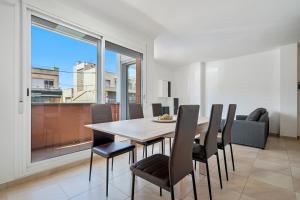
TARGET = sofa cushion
(256,114)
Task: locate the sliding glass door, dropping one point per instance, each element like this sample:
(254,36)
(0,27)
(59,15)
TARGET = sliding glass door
(63,85)
(133,83)
(125,66)
(67,77)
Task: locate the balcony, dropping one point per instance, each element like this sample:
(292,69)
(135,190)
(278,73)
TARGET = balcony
(58,128)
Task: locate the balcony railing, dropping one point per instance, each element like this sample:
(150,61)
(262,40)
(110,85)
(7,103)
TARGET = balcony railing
(59,126)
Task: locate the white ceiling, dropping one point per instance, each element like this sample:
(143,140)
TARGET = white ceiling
(186,31)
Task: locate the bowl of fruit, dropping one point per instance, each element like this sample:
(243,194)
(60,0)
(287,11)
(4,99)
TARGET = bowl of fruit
(166,118)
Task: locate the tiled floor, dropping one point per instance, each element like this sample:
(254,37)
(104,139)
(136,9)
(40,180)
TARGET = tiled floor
(271,174)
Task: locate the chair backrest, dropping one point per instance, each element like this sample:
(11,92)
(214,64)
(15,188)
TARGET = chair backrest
(135,111)
(101,113)
(226,132)
(156,109)
(210,141)
(180,163)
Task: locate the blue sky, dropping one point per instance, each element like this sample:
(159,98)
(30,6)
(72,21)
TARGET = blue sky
(51,49)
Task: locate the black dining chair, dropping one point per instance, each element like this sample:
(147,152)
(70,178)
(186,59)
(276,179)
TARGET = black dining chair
(203,151)
(136,112)
(226,135)
(157,111)
(165,171)
(104,144)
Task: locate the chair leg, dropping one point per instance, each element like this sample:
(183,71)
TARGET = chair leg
(225,162)
(129,158)
(194,185)
(91,163)
(208,180)
(143,151)
(160,191)
(162,147)
(152,148)
(146,151)
(195,163)
(220,177)
(170,143)
(232,157)
(132,156)
(112,163)
(132,186)
(107,175)
(172,193)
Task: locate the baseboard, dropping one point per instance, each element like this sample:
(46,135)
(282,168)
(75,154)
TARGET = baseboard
(274,134)
(290,138)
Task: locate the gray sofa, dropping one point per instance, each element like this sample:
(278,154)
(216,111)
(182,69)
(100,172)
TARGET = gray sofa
(251,130)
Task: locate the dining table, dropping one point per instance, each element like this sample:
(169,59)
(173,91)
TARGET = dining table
(144,129)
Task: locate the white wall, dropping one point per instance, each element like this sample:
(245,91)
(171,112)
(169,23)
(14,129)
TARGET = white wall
(288,90)
(250,81)
(15,137)
(187,84)
(298,104)
(8,100)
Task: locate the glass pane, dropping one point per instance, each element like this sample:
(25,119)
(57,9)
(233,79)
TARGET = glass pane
(133,89)
(112,82)
(63,85)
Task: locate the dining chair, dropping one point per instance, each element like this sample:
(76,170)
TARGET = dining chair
(157,111)
(205,149)
(104,144)
(226,136)
(165,171)
(136,112)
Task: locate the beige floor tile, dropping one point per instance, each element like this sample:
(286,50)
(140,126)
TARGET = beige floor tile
(273,156)
(260,175)
(244,197)
(295,163)
(123,183)
(296,184)
(46,193)
(294,154)
(218,195)
(236,183)
(296,172)
(283,168)
(98,193)
(263,191)
(272,178)
(79,184)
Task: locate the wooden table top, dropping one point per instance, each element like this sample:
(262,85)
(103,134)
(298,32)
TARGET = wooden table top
(141,130)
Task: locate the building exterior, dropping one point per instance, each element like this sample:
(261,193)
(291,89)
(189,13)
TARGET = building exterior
(45,85)
(84,85)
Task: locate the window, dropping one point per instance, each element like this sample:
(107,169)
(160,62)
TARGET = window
(65,81)
(107,83)
(64,66)
(48,84)
(124,66)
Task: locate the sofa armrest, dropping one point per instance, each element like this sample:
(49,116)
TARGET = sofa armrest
(249,133)
(241,117)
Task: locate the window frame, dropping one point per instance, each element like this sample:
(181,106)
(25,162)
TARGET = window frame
(24,141)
